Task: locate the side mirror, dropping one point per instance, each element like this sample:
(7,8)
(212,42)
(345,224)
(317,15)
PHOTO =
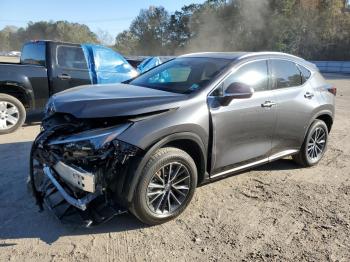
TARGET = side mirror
(236,90)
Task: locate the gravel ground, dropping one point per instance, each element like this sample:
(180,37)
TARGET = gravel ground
(277,212)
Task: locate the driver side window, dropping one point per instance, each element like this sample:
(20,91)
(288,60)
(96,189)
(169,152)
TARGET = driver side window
(253,74)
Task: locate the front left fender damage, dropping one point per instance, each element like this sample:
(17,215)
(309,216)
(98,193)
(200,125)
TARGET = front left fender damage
(80,182)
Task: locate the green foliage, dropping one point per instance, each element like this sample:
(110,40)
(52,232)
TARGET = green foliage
(126,43)
(311,29)
(60,31)
(149,29)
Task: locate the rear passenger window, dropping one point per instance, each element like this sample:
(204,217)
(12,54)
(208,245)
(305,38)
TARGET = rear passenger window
(285,74)
(305,73)
(33,54)
(71,57)
(253,74)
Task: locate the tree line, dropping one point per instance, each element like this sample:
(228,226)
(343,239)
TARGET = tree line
(311,29)
(12,38)
(320,30)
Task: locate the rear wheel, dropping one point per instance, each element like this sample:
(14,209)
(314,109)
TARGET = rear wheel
(166,186)
(12,114)
(314,146)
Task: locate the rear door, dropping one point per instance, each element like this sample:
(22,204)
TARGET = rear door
(69,67)
(295,102)
(242,130)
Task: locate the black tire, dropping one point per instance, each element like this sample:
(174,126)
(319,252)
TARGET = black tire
(162,159)
(303,158)
(20,115)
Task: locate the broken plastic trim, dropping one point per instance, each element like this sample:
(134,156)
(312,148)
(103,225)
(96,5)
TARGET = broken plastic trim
(76,176)
(71,204)
(78,203)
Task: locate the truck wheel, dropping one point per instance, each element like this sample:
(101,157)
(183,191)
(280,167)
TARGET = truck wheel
(12,114)
(166,186)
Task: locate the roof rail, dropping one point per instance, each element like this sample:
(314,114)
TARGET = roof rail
(269,53)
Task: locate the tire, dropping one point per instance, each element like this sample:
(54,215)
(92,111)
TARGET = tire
(147,197)
(12,114)
(305,156)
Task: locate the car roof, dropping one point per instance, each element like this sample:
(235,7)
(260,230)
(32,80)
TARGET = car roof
(227,55)
(235,56)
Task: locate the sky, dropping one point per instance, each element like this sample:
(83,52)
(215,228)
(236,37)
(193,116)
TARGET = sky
(112,16)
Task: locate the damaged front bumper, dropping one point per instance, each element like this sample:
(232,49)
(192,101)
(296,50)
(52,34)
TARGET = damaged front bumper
(75,176)
(80,203)
(78,175)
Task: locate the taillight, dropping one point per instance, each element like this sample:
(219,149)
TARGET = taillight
(333,90)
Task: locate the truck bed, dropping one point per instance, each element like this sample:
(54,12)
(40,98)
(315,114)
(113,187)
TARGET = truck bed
(32,79)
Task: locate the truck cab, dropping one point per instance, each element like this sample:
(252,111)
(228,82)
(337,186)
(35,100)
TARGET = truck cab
(49,67)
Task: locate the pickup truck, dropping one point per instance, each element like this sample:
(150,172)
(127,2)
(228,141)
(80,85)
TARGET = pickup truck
(49,67)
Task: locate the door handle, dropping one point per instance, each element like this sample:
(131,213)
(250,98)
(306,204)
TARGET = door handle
(64,77)
(308,95)
(268,104)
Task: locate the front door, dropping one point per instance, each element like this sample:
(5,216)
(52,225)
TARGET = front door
(243,129)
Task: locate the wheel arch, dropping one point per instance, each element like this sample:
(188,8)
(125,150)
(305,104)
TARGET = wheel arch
(327,118)
(189,142)
(24,95)
(324,115)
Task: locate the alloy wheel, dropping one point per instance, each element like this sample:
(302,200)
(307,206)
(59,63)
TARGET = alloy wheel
(9,115)
(168,188)
(316,144)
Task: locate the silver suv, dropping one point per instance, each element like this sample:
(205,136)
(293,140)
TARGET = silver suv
(146,144)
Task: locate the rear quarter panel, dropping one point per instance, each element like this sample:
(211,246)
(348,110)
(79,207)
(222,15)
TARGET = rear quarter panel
(326,100)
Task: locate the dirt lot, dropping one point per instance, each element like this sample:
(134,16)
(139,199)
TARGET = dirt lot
(277,212)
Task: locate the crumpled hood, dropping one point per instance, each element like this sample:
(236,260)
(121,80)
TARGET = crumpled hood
(95,101)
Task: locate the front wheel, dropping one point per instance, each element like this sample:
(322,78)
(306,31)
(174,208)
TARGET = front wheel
(12,114)
(314,146)
(166,186)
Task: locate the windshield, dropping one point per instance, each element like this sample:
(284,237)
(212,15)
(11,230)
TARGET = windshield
(182,75)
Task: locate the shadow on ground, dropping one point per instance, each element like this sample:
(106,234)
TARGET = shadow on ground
(281,164)
(20,217)
(33,119)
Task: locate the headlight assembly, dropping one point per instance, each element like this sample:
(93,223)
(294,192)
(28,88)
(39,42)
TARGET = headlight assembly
(87,142)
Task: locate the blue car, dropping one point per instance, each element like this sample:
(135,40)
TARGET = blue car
(106,66)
